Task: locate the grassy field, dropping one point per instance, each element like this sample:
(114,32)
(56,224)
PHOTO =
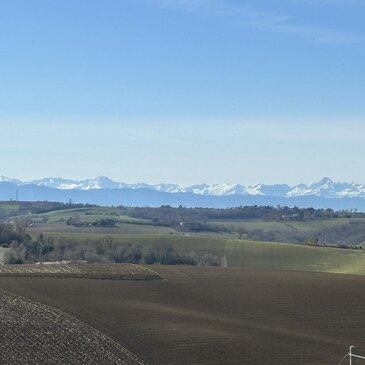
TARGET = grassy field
(12,207)
(216,315)
(287,226)
(87,214)
(281,256)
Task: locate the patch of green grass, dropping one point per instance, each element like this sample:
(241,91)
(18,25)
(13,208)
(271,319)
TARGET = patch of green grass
(281,256)
(86,215)
(286,226)
(10,207)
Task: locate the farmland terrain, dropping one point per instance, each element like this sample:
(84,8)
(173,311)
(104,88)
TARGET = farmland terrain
(281,224)
(202,315)
(206,251)
(80,270)
(265,301)
(32,333)
(251,237)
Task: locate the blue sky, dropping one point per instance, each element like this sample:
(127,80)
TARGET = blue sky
(183,91)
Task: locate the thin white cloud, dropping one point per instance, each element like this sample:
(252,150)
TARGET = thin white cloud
(265,21)
(332,2)
(309,33)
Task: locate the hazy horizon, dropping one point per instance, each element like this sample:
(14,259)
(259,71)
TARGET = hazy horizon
(39,178)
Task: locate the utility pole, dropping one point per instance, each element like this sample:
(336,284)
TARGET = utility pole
(353,356)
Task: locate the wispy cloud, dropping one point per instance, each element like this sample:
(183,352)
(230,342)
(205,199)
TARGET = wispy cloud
(332,2)
(264,21)
(312,33)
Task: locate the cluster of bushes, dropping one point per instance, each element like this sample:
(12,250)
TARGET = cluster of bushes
(102,222)
(9,234)
(277,236)
(24,249)
(345,235)
(105,250)
(14,237)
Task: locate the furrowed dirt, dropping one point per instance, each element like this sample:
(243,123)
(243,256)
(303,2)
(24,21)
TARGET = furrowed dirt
(81,270)
(32,333)
(216,315)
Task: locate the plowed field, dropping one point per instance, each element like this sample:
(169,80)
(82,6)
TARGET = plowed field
(216,315)
(81,270)
(32,333)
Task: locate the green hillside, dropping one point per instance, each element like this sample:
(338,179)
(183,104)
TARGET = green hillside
(281,256)
(186,236)
(236,253)
(286,226)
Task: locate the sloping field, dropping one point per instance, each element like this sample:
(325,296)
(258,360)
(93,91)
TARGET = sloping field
(281,256)
(217,316)
(287,226)
(81,270)
(183,241)
(32,333)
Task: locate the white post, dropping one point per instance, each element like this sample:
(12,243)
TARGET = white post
(352,358)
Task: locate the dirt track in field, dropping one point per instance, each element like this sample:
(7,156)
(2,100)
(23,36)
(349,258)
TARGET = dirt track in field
(217,315)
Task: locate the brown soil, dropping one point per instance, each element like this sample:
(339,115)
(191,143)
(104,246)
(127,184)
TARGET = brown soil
(32,333)
(217,315)
(81,270)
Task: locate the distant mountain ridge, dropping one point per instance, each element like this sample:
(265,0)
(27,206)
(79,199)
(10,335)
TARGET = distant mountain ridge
(325,194)
(325,188)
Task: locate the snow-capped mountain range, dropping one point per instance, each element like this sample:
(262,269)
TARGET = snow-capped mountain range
(325,188)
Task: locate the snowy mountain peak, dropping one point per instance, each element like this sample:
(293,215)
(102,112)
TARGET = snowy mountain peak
(326,180)
(10,180)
